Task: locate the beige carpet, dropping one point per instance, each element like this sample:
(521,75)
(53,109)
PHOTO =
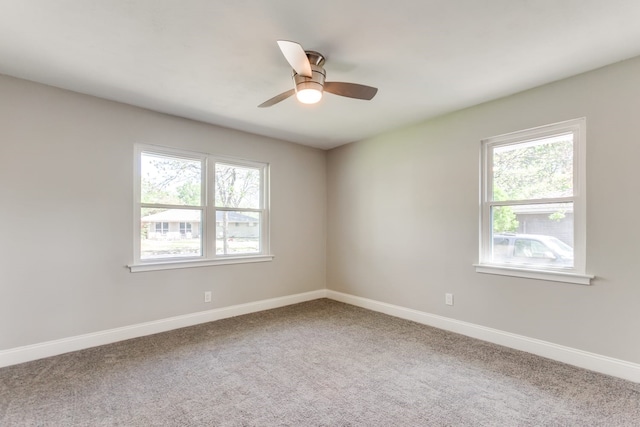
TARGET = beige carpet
(320,363)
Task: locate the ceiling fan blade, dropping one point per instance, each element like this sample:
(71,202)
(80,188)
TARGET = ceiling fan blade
(296,57)
(277,98)
(351,90)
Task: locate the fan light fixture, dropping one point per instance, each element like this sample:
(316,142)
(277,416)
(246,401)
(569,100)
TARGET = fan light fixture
(309,96)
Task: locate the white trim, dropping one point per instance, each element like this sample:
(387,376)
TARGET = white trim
(65,345)
(582,359)
(554,276)
(176,264)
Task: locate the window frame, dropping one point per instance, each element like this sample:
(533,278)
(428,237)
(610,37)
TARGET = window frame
(577,274)
(207,205)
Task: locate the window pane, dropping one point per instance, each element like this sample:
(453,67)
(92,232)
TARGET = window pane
(237,232)
(534,170)
(170,180)
(237,187)
(535,234)
(169,233)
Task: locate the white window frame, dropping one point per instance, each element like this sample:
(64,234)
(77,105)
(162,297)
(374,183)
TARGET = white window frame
(577,274)
(208,236)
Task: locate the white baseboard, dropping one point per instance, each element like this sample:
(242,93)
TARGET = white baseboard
(583,359)
(65,345)
(595,362)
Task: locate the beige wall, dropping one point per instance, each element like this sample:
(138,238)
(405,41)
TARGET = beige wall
(403,217)
(66,192)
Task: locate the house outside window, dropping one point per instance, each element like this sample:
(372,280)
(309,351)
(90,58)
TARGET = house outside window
(196,209)
(533,203)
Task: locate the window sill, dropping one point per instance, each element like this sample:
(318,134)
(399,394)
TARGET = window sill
(176,264)
(554,276)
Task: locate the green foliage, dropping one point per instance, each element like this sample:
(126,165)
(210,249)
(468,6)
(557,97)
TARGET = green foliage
(504,220)
(151,193)
(557,216)
(532,171)
(529,171)
(170,181)
(189,193)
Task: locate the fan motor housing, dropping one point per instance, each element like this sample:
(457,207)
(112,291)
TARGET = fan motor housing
(316,81)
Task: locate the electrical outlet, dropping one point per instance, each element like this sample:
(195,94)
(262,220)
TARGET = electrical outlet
(448,299)
(207,296)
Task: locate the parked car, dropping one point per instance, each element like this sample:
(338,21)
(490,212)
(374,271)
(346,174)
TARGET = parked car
(532,249)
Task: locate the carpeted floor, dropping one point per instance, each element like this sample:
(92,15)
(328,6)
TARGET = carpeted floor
(320,363)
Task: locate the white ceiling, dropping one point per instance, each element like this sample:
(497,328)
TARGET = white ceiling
(216,60)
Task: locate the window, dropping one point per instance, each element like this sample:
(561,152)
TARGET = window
(533,203)
(196,209)
(238,199)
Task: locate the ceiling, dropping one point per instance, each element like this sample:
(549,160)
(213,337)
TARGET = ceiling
(216,60)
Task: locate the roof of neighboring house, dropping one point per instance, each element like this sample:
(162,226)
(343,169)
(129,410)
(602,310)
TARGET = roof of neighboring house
(191,215)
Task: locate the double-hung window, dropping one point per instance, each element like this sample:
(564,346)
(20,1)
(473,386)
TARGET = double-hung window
(532,212)
(194,209)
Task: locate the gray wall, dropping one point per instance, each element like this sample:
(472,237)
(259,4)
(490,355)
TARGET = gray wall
(425,178)
(66,192)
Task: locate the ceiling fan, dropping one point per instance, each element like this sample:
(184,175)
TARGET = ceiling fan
(309,75)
